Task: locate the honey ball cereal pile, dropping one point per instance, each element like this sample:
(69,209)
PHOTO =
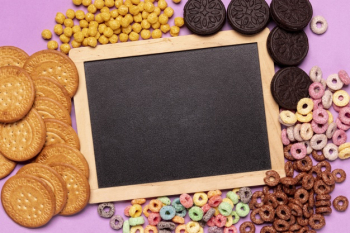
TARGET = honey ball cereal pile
(107,21)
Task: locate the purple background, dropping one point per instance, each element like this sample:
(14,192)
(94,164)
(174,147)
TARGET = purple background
(21,23)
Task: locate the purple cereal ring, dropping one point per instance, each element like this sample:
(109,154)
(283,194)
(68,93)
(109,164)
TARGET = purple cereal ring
(341,125)
(319,128)
(344,115)
(339,137)
(285,139)
(320,116)
(337,108)
(317,104)
(331,129)
(344,77)
(316,90)
(298,150)
(116,222)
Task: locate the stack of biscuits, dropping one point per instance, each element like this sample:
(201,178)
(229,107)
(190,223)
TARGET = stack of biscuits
(35,126)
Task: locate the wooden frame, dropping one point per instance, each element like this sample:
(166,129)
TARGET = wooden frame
(163,45)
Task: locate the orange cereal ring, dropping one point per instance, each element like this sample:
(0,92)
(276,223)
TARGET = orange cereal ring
(181,228)
(146,211)
(214,193)
(150,228)
(178,219)
(139,201)
(155,205)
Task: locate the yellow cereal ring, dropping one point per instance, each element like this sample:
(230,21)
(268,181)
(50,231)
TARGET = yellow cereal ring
(192,227)
(181,228)
(134,229)
(46,34)
(52,45)
(305,106)
(235,190)
(135,211)
(343,146)
(344,153)
(150,228)
(200,199)
(146,211)
(213,193)
(341,98)
(288,117)
(217,212)
(155,205)
(330,117)
(178,219)
(229,221)
(228,200)
(303,118)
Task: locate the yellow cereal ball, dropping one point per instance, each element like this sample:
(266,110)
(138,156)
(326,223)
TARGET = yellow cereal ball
(101,28)
(129,17)
(76,29)
(134,10)
(97,35)
(128,3)
(85,32)
(127,30)
(58,29)
(77,2)
(174,31)
(92,42)
(109,3)
(138,18)
(176,1)
(141,6)
(135,2)
(92,9)
(165,28)
(60,18)
(114,24)
(118,3)
(106,16)
(75,44)
(92,31)
(89,17)
(68,32)
(145,34)
(157,10)
(79,14)
(123,37)
(98,18)
(46,34)
(125,22)
(83,23)
(119,18)
(64,38)
(118,31)
(93,24)
(52,45)
(152,1)
(70,14)
(78,37)
(113,39)
(169,12)
(149,7)
(86,2)
(156,25)
(156,34)
(104,9)
(114,13)
(134,36)
(65,48)
(136,27)
(103,40)
(145,24)
(162,4)
(68,23)
(85,42)
(145,14)
(99,4)
(179,21)
(107,23)
(163,19)
(152,18)
(108,32)
(123,10)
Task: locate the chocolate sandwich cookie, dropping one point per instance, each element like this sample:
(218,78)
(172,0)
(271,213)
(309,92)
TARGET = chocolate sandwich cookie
(289,85)
(204,17)
(248,16)
(291,15)
(287,48)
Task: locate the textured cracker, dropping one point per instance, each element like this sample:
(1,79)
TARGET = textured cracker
(77,185)
(16,93)
(59,132)
(12,56)
(6,166)
(54,64)
(24,139)
(52,179)
(28,200)
(51,109)
(63,153)
(51,88)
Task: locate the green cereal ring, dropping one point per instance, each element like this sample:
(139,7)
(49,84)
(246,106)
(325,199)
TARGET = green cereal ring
(164,200)
(195,213)
(235,217)
(177,205)
(242,209)
(136,221)
(182,213)
(126,227)
(233,197)
(225,209)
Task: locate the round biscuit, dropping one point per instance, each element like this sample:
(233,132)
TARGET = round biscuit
(6,166)
(59,132)
(12,56)
(51,109)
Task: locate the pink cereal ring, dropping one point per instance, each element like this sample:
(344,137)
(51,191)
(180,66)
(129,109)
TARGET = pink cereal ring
(206,207)
(316,90)
(344,115)
(320,116)
(211,222)
(215,201)
(126,211)
(186,200)
(231,229)
(220,220)
(317,104)
(285,139)
(344,77)
(339,137)
(342,126)
(337,108)
(154,219)
(298,150)
(319,128)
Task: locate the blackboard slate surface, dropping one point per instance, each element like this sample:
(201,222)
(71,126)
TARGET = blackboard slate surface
(177,115)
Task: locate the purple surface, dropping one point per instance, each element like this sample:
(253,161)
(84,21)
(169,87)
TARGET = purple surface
(21,23)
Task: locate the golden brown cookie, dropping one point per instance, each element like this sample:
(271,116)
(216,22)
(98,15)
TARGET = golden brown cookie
(51,88)
(51,109)
(16,93)
(52,179)
(28,200)
(77,185)
(12,56)
(6,166)
(59,132)
(63,153)
(54,64)
(24,139)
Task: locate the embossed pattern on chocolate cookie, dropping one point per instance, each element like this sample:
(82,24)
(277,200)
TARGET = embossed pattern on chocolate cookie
(292,15)
(289,85)
(287,48)
(248,16)
(204,17)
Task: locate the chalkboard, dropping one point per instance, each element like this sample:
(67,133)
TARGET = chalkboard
(177,115)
